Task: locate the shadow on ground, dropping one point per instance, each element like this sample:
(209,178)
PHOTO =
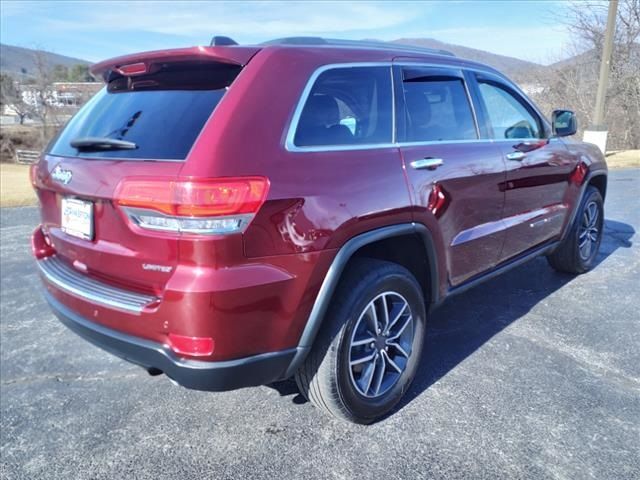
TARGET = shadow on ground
(467,321)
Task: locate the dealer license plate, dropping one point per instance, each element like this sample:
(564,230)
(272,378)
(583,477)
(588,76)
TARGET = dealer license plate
(77,218)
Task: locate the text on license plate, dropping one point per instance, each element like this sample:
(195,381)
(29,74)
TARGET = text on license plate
(77,218)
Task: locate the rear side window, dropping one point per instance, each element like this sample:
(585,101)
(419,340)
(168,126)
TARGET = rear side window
(508,115)
(347,106)
(162,113)
(437,107)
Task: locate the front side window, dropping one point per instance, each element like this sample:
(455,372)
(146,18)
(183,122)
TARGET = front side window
(347,106)
(437,108)
(507,114)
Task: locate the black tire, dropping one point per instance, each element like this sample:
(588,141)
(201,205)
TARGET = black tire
(569,257)
(326,378)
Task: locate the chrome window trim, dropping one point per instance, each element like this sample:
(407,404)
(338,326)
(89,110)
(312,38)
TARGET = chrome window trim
(394,125)
(519,140)
(474,114)
(380,146)
(462,78)
(290,146)
(444,142)
(341,148)
(293,125)
(522,98)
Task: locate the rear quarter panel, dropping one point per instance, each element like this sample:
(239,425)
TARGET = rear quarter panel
(317,200)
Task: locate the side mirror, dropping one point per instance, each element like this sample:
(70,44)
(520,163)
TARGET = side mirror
(564,123)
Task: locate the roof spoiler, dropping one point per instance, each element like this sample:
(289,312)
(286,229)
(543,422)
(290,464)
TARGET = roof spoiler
(139,63)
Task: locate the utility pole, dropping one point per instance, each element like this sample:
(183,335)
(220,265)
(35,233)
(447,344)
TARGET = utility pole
(597,133)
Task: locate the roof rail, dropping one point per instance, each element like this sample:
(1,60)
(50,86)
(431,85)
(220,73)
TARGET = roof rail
(355,44)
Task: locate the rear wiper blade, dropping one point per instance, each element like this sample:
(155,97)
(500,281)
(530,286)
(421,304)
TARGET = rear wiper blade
(102,143)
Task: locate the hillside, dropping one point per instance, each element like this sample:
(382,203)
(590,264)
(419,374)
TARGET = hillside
(591,58)
(21,62)
(508,65)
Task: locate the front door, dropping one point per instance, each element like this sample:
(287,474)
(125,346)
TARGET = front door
(538,168)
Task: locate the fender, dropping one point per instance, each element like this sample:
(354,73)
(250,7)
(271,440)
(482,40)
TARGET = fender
(334,274)
(583,188)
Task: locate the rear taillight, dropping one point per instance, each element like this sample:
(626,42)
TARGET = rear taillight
(204,206)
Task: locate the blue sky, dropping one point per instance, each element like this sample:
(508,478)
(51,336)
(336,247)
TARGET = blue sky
(95,30)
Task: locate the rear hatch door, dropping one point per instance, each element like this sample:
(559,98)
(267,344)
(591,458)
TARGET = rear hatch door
(142,124)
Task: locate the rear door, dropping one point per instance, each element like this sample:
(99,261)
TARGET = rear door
(140,126)
(538,166)
(453,175)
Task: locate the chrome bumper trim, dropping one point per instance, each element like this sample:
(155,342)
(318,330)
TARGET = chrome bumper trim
(58,273)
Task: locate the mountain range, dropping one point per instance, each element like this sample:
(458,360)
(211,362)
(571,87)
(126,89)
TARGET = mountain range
(20,62)
(508,65)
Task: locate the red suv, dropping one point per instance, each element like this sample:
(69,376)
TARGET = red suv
(236,215)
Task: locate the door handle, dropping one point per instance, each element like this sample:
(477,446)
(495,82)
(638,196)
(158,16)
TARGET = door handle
(430,163)
(516,156)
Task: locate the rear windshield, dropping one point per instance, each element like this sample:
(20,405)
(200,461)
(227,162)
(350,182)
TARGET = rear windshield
(162,113)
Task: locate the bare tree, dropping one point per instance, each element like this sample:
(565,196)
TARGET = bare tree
(43,95)
(573,83)
(11,97)
(36,97)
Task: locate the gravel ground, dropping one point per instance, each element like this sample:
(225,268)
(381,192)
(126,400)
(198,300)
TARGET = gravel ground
(531,375)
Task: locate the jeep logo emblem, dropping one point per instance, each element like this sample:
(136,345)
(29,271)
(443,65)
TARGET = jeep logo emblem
(61,175)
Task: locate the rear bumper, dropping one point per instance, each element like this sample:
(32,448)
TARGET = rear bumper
(198,375)
(248,307)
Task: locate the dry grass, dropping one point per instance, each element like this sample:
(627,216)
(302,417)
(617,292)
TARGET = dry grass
(15,188)
(623,159)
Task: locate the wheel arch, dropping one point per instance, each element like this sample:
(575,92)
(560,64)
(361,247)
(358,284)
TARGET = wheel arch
(369,243)
(599,180)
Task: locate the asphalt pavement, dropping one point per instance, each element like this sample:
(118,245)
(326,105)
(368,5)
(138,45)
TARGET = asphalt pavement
(531,375)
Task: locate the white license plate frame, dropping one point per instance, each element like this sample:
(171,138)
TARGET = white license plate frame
(77,218)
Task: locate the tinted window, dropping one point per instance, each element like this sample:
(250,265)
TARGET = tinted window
(437,109)
(347,106)
(508,116)
(162,113)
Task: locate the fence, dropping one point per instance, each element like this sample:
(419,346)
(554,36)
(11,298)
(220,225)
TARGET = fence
(27,156)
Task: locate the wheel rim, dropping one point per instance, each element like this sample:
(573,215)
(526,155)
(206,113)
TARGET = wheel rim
(381,344)
(589,232)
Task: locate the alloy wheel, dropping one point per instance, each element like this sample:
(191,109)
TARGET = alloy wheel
(381,344)
(589,231)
